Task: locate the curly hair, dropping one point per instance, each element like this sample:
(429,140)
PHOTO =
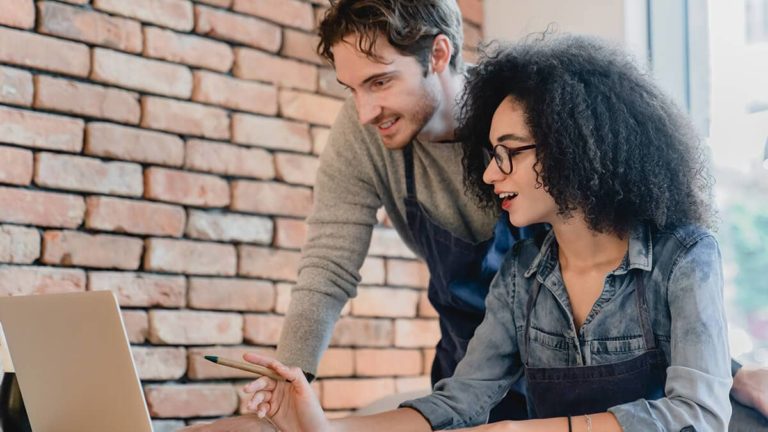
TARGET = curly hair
(410,26)
(608,142)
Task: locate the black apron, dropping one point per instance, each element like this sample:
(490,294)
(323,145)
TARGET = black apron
(459,275)
(577,390)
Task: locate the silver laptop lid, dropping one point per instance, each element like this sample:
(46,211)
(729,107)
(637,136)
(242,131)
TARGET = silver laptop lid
(73,363)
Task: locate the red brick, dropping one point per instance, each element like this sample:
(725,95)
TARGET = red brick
(28,280)
(262,329)
(139,73)
(429,358)
(231,294)
(422,384)
(90,100)
(312,108)
(388,362)
(202,369)
(319,139)
(271,198)
(268,263)
(17,13)
(426,310)
(229,159)
(237,28)
(408,273)
(15,166)
(270,132)
(190,257)
(363,332)
(234,93)
(39,130)
(372,271)
(169,327)
(283,299)
(336,362)
(15,86)
(290,233)
(472,11)
(44,52)
(163,363)
(386,242)
(220,3)
(228,227)
(296,169)
(301,46)
(351,394)
(416,333)
(187,49)
(385,302)
(186,188)
(258,65)
(139,145)
(198,400)
(19,245)
(136,325)
(41,208)
(141,289)
(291,13)
(184,118)
(73,248)
(328,85)
(88,26)
(134,217)
(88,174)
(175,14)
(473,36)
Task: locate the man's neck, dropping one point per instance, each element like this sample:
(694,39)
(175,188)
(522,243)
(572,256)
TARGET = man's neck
(442,125)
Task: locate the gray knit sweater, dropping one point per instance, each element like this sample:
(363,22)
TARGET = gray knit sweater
(357,176)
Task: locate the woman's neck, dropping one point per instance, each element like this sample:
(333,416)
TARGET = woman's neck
(582,249)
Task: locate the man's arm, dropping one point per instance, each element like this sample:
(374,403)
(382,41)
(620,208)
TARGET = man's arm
(339,233)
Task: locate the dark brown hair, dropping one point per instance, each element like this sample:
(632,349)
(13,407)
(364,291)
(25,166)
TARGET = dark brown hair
(410,26)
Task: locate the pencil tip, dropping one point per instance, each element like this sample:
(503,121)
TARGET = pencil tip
(214,359)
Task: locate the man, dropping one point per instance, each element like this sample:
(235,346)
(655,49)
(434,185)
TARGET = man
(391,146)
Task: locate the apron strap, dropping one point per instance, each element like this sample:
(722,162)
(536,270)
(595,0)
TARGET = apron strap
(410,182)
(529,309)
(645,315)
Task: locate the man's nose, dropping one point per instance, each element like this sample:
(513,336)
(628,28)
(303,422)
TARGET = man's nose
(367,109)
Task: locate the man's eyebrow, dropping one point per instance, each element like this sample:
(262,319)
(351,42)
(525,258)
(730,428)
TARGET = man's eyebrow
(369,79)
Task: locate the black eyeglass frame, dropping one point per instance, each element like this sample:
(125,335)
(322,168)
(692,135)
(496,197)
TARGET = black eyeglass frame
(498,157)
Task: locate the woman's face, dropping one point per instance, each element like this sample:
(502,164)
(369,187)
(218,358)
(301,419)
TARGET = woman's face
(526,202)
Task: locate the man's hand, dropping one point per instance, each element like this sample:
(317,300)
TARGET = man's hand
(750,387)
(245,423)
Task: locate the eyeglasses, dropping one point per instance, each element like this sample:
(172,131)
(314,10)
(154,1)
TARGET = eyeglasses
(503,156)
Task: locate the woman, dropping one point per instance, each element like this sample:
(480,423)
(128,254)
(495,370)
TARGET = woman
(615,316)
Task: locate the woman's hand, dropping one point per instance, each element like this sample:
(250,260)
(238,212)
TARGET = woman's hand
(291,405)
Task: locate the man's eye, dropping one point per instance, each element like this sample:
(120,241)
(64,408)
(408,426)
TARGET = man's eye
(379,83)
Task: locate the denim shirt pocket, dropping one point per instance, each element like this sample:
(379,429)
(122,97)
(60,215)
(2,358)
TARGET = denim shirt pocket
(616,349)
(546,349)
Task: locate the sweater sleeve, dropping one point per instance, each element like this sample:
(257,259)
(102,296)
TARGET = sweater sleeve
(339,234)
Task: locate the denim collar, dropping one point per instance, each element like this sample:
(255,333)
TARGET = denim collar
(639,254)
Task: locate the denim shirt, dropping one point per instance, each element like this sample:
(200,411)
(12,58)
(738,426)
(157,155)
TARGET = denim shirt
(682,272)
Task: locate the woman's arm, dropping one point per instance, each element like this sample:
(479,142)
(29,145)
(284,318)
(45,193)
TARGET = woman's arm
(698,376)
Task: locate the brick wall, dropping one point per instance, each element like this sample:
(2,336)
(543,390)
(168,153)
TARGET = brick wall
(166,150)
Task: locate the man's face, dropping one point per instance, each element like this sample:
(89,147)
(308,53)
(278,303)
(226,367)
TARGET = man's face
(391,95)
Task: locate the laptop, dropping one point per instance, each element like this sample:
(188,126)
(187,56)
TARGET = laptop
(73,363)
